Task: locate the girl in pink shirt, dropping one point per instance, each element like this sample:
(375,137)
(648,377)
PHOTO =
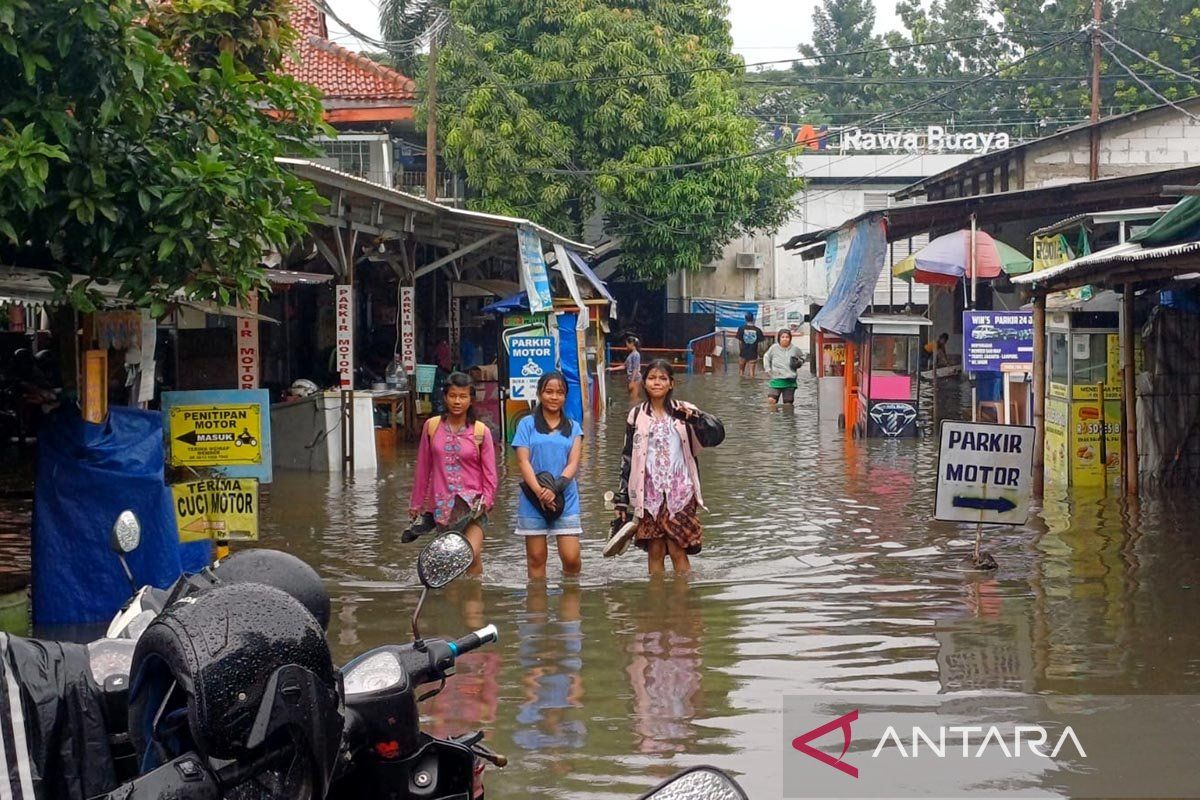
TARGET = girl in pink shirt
(456,467)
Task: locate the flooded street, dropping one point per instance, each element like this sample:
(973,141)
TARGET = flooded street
(821,573)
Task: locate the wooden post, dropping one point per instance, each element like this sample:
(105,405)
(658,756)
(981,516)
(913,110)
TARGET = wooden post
(1094,117)
(1129,444)
(1039,394)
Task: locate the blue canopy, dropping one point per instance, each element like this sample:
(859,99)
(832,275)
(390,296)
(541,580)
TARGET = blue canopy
(517,302)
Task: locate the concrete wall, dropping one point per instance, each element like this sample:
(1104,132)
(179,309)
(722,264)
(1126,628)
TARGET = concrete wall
(724,280)
(1145,143)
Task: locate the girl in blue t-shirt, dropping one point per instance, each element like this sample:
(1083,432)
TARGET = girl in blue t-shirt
(548,449)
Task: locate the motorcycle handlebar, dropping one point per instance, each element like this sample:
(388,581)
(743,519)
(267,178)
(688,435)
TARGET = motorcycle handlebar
(485,635)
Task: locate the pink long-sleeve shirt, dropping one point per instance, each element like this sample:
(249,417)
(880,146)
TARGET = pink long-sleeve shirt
(450,466)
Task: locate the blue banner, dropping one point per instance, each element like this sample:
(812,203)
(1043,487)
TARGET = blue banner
(533,269)
(860,250)
(730,314)
(998,341)
(529,358)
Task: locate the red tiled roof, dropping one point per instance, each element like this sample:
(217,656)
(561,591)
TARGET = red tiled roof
(339,73)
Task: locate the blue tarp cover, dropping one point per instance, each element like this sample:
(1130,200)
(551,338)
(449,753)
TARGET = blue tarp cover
(517,302)
(568,363)
(87,474)
(854,258)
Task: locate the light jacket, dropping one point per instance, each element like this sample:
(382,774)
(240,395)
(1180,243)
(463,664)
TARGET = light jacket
(778,361)
(632,488)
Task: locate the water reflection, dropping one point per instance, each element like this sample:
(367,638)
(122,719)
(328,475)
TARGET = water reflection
(821,572)
(550,654)
(665,665)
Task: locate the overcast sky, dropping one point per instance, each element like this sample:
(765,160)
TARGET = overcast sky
(763,30)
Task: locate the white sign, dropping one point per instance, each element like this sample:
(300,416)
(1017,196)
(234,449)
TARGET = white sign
(934,139)
(247,347)
(344,343)
(408,330)
(984,473)
(529,358)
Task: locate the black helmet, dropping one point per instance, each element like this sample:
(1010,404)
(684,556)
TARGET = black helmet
(281,570)
(238,672)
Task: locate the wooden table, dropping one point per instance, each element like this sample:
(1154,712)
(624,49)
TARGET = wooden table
(397,403)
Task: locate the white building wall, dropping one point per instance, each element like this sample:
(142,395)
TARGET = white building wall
(840,188)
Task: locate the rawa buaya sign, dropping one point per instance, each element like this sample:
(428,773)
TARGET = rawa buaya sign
(931,139)
(934,139)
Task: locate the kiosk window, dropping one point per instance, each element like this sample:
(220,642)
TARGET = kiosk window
(1060,359)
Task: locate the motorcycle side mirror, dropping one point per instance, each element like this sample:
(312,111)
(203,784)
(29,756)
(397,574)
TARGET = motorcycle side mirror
(443,559)
(126,533)
(698,783)
(125,538)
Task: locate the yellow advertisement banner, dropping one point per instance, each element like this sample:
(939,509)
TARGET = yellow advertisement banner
(1090,460)
(1057,464)
(1049,251)
(221,508)
(216,435)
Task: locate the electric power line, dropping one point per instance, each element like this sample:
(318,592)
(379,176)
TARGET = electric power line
(1145,85)
(1148,59)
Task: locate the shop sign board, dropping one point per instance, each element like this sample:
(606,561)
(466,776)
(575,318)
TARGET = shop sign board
(408,330)
(984,473)
(1055,449)
(344,342)
(221,508)
(533,269)
(529,358)
(1050,251)
(998,341)
(229,429)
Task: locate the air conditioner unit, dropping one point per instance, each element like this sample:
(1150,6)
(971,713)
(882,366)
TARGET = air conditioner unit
(749,261)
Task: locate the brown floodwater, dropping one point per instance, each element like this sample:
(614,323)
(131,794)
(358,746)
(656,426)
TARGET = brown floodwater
(821,572)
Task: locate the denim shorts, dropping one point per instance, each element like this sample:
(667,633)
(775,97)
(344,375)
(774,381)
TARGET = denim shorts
(536,525)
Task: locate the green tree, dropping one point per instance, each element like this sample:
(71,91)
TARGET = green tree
(407,25)
(557,109)
(138,144)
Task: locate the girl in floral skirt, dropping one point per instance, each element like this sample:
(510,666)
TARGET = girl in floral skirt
(660,482)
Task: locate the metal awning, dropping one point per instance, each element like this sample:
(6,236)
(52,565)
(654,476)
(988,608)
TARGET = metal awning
(27,285)
(363,206)
(1108,194)
(1124,263)
(1103,218)
(894,323)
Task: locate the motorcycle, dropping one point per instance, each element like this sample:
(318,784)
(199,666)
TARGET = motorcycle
(300,730)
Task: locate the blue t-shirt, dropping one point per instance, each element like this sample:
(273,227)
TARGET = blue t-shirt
(548,452)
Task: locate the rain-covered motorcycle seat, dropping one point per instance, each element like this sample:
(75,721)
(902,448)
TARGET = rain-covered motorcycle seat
(53,739)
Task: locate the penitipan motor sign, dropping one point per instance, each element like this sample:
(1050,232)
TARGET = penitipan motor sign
(985,473)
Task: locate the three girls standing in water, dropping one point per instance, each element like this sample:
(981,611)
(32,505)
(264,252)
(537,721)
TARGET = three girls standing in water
(659,482)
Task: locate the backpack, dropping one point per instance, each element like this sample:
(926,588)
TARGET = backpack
(431,426)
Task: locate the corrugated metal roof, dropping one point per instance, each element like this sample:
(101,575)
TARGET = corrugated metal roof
(314,171)
(1104,217)
(1127,253)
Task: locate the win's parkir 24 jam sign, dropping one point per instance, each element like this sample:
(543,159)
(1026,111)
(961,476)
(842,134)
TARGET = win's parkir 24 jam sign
(216,435)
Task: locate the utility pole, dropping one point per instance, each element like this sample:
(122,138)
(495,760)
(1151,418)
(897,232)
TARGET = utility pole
(1094,160)
(431,121)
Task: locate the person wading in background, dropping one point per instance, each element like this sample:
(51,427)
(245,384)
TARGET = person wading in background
(749,335)
(782,363)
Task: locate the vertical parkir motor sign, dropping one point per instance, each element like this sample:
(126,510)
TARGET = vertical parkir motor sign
(344,343)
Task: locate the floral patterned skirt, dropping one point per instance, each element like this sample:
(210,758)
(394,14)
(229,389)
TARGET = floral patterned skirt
(683,528)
